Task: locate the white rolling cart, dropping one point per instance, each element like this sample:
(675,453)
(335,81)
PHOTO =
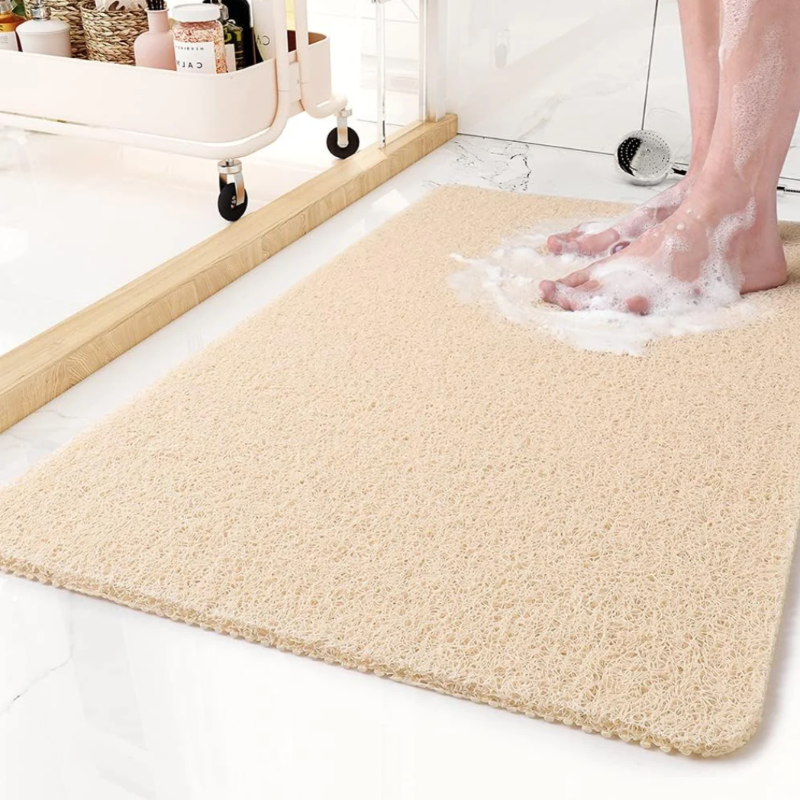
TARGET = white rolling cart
(223,117)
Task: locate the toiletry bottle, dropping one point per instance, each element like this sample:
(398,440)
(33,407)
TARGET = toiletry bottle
(199,39)
(9,22)
(155,47)
(234,40)
(264,28)
(40,34)
(239,11)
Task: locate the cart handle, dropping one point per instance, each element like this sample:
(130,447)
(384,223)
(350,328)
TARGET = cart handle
(330,106)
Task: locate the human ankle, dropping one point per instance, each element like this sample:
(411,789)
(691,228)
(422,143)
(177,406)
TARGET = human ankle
(719,194)
(701,147)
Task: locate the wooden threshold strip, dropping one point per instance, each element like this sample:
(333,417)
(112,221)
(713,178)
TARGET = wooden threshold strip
(47,365)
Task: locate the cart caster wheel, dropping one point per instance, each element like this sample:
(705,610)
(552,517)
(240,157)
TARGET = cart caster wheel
(227,203)
(343,152)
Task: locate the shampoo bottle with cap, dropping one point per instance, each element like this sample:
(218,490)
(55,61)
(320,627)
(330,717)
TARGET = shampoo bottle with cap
(239,11)
(234,40)
(43,35)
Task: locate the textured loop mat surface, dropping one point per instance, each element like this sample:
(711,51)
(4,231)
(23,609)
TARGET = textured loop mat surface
(373,474)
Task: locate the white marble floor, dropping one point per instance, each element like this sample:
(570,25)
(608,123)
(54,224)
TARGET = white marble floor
(98,702)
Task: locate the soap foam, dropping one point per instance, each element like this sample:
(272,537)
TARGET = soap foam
(634,224)
(736,17)
(508,282)
(756,101)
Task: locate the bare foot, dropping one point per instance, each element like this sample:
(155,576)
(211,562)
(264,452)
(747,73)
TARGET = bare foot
(624,230)
(712,244)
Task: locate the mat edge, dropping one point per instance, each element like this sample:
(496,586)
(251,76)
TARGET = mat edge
(141,602)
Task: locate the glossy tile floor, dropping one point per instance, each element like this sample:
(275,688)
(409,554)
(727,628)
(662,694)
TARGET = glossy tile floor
(118,212)
(99,702)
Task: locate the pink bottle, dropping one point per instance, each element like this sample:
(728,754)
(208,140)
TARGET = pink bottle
(155,47)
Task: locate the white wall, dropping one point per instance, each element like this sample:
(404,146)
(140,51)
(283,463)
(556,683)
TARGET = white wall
(571,73)
(668,104)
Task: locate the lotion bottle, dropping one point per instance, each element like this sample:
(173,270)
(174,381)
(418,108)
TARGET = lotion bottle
(43,35)
(155,47)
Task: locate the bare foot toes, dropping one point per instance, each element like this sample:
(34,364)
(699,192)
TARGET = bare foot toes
(638,305)
(581,243)
(716,246)
(548,290)
(585,240)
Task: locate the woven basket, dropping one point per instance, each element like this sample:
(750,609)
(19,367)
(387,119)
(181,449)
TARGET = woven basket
(70,12)
(110,34)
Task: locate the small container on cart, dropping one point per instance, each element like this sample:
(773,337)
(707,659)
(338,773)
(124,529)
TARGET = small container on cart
(223,117)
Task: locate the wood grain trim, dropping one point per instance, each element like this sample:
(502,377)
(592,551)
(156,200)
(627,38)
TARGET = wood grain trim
(47,365)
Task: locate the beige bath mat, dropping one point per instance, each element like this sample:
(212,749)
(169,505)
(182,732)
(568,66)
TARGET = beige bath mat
(371,473)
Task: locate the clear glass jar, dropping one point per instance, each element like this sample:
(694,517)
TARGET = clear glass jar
(199,39)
